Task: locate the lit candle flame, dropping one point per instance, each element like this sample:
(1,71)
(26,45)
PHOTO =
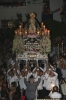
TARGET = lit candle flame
(38,32)
(42,23)
(16,32)
(52,85)
(48,32)
(25,32)
(20,33)
(44,27)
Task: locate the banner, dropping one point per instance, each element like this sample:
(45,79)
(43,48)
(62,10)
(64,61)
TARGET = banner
(58,9)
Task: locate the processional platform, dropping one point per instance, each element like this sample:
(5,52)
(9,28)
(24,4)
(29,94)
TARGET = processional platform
(32,42)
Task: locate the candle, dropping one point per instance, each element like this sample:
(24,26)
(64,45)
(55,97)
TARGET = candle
(52,85)
(42,24)
(42,33)
(25,32)
(20,33)
(58,50)
(58,47)
(44,27)
(62,47)
(20,26)
(38,32)
(45,33)
(16,32)
(48,32)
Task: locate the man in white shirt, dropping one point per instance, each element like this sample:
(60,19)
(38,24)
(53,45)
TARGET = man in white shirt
(12,77)
(50,80)
(40,86)
(21,80)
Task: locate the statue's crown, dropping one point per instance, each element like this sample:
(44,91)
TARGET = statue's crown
(32,15)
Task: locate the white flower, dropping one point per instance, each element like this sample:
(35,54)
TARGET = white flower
(45,45)
(18,45)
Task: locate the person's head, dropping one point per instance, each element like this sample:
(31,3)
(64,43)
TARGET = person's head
(10,73)
(13,84)
(55,89)
(12,90)
(55,65)
(51,73)
(4,85)
(22,72)
(40,73)
(31,79)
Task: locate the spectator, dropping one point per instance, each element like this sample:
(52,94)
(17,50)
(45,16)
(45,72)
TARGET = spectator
(21,81)
(23,97)
(50,80)
(31,87)
(13,76)
(63,87)
(58,71)
(55,94)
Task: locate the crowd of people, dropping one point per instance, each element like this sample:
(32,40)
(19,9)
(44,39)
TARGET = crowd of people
(19,82)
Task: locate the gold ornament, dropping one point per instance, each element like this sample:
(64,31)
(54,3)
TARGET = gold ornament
(32,15)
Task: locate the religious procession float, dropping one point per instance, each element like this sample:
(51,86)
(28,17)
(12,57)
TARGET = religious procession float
(32,41)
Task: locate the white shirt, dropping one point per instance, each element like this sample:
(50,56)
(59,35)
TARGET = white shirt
(21,83)
(40,86)
(18,71)
(12,79)
(63,89)
(43,69)
(63,73)
(55,95)
(28,75)
(50,82)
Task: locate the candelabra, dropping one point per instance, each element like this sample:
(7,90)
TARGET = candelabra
(19,31)
(44,30)
(41,31)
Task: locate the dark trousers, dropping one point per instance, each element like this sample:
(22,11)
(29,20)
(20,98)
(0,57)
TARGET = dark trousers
(45,92)
(30,98)
(40,94)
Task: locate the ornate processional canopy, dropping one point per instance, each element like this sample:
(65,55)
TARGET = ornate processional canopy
(32,38)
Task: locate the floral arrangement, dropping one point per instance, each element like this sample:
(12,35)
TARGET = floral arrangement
(45,45)
(18,45)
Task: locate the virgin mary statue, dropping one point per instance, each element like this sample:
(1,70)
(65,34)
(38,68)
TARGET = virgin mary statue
(32,26)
